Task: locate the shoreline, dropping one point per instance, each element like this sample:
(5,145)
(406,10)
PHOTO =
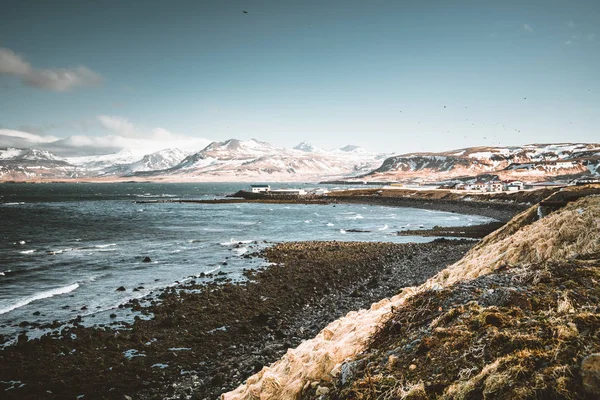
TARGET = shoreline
(500,210)
(246,325)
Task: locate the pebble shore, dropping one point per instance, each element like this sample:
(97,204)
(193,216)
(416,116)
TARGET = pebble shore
(206,339)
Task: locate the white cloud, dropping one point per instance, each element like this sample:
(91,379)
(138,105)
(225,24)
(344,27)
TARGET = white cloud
(119,125)
(527,28)
(58,80)
(568,42)
(571,24)
(31,137)
(123,135)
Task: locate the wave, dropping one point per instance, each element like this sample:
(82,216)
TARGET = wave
(240,250)
(27,251)
(233,242)
(13,204)
(342,231)
(329,224)
(357,216)
(102,246)
(38,296)
(5,272)
(383,228)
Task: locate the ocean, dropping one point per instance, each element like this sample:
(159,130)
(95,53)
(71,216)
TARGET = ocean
(66,248)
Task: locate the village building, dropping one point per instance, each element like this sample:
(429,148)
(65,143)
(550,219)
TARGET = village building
(495,186)
(514,186)
(260,188)
(288,192)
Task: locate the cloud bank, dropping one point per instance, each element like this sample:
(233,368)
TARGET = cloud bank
(57,80)
(121,134)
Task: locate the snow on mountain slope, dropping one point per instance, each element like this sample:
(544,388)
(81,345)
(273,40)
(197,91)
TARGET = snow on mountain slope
(254,160)
(23,164)
(163,159)
(126,156)
(13,154)
(534,162)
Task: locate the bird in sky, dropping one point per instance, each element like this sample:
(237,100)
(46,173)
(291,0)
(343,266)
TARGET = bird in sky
(245,12)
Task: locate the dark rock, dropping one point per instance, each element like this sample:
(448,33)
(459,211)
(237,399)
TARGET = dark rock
(146,259)
(113,315)
(121,289)
(590,374)
(36,313)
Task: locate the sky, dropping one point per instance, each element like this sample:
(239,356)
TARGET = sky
(92,77)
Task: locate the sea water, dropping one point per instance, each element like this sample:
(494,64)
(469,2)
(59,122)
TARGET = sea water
(66,248)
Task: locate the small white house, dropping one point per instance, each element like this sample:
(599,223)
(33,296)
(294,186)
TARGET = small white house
(514,186)
(495,186)
(482,186)
(260,188)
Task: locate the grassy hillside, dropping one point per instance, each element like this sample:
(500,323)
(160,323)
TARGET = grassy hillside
(513,319)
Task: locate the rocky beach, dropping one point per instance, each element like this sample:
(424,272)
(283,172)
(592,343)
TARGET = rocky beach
(198,340)
(206,339)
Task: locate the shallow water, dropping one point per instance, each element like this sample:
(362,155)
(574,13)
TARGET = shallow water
(68,246)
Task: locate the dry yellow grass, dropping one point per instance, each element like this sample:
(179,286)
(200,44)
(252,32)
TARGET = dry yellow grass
(573,230)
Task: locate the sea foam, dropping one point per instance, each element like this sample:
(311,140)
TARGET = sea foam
(38,296)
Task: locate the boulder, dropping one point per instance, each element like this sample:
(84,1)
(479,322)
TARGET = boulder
(146,259)
(590,374)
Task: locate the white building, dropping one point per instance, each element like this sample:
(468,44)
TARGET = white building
(514,186)
(289,192)
(260,188)
(495,186)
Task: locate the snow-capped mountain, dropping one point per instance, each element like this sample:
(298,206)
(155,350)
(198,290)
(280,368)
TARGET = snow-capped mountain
(307,147)
(252,160)
(23,164)
(532,162)
(127,162)
(163,159)
(13,154)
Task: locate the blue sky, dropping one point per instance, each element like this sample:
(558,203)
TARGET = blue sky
(394,76)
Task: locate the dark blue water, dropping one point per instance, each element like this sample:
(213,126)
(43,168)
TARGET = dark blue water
(68,246)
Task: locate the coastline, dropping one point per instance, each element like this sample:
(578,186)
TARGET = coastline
(246,325)
(206,339)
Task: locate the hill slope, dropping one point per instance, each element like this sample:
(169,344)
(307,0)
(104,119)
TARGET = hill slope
(513,319)
(531,162)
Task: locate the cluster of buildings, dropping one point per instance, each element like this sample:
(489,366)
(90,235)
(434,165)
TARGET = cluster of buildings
(491,186)
(514,186)
(281,192)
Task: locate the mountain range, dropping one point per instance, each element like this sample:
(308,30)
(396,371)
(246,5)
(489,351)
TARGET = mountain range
(534,162)
(231,160)
(253,160)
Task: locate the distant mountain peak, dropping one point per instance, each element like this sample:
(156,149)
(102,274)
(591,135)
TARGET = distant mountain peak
(305,146)
(350,148)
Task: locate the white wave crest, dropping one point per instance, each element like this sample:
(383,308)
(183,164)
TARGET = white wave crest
(38,296)
(233,242)
(383,228)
